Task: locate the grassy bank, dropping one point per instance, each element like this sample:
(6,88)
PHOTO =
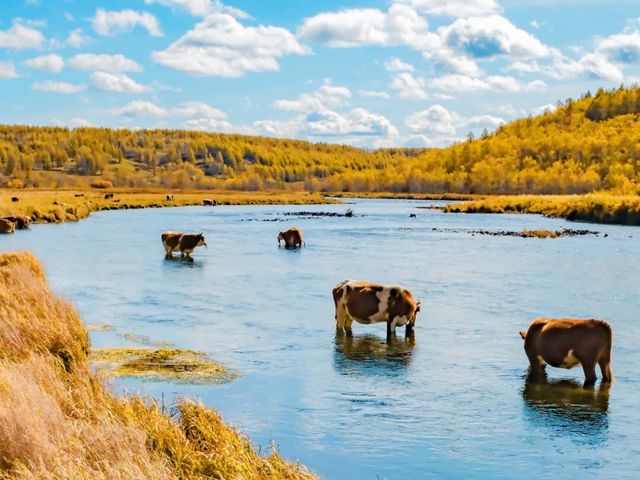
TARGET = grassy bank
(54,206)
(57,419)
(596,208)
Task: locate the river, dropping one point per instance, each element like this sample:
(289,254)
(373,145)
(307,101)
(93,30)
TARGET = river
(453,403)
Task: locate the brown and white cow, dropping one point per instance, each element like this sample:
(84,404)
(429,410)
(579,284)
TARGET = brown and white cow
(185,243)
(292,238)
(21,221)
(566,343)
(6,226)
(367,302)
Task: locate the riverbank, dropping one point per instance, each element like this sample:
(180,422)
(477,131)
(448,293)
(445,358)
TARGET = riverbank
(58,420)
(593,208)
(55,206)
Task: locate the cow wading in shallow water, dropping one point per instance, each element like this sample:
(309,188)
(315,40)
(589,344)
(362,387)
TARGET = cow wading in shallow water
(566,343)
(292,238)
(185,243)
(367,302)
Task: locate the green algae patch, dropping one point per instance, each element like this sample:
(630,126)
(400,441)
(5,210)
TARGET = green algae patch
(145,340)
(172,364)
(99,327)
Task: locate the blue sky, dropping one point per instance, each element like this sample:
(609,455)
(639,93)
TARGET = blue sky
(368,73)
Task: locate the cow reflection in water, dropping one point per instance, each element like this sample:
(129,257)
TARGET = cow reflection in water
(568,409)
(368,354)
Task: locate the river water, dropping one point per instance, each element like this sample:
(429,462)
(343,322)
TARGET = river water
(453,403)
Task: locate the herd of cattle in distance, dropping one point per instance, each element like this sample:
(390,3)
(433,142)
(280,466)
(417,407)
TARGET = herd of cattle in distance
(562,343)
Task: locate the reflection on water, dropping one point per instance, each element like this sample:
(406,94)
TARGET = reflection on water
(371,355)
(567,408)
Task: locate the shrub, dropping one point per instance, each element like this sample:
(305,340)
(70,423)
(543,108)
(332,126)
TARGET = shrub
(102,184)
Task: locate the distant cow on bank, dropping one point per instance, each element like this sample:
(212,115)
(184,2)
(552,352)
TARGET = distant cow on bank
(566,343)
(209,202)
(15,199)
(21,222)
(107,196)
(367,302)
(185,243)
(169,198)
(79,195)
(292,238)
(6,226)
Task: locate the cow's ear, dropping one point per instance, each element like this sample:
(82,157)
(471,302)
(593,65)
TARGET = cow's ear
(523,334)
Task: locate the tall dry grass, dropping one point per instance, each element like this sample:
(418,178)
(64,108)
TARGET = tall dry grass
(595,208)
(58,421)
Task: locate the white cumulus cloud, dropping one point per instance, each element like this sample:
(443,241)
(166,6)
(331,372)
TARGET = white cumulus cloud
(58,87)
(222,46)
(116,82)
(456,8)
(49,63)
(141,108)
(490,36)
(106,23)
(104,62)
(326,97)
(373,94)
(396,65)
(8,70)
(409,86)
(20,36)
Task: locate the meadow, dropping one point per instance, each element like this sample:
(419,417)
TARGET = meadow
(55,206)
(595,208)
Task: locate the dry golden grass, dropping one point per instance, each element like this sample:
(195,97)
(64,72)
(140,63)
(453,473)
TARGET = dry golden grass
(58,421)
(54,206)
(596,208)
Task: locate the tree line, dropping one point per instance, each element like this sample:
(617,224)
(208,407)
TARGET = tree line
(584,145)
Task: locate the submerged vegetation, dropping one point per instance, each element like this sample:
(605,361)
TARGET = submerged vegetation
(597,208)
(587,145)
(58,420)
(161,364)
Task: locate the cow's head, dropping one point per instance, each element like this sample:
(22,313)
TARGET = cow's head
(201,241)
(412,320)
(280,238)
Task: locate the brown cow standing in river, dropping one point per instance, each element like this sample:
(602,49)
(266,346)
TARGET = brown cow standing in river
(21,221)
(566,343)
(367,302)
(6,226)
(185,243)
(292,238)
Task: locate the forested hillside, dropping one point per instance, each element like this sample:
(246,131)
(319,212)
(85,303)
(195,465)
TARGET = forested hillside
(585,145)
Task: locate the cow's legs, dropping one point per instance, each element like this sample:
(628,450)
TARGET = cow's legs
(341,317)
(391,328)
(536,369)
(605,368)
(347,325)
(589,368)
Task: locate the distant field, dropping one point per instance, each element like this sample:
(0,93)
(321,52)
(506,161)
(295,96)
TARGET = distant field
(54,206)
(595,208)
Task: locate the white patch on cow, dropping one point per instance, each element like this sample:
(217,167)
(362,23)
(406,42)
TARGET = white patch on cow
(382,315)
(541,360)
(401,321)
(570,361)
